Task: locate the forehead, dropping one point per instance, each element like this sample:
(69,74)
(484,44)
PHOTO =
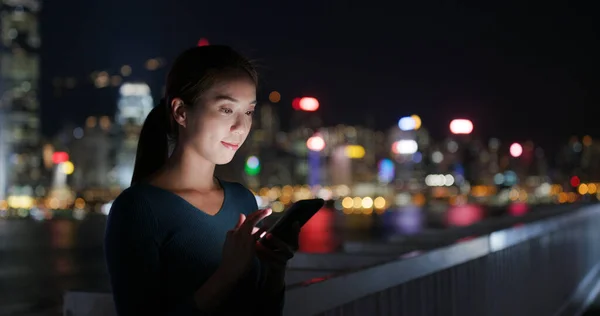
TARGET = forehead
(236,85)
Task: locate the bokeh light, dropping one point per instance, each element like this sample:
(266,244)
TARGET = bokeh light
(461,126)
(274,97)
(309,104)
(516,150)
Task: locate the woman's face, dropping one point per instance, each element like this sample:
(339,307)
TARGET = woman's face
(220,122)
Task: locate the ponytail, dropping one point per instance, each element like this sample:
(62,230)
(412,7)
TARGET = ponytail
(153,145)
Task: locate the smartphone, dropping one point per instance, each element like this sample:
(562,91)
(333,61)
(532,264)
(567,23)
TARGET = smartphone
(299,212)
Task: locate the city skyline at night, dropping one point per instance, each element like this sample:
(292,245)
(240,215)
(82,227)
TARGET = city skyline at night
(513,79)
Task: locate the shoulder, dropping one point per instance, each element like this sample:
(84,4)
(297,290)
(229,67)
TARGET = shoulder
(131,207)
(241,195)
(133,197)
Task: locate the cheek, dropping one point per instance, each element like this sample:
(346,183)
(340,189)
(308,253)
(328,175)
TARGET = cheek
(212,131)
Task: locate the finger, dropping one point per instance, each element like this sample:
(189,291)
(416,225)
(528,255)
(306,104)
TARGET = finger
(259,232)
(241,221)
(274,259)
(279,245)
(277,257)
(253,219)
(254,214)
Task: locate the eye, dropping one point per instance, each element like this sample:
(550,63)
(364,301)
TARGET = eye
(226,110)
(250,113)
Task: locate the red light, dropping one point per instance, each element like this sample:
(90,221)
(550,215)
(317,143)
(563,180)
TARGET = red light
(203,42)
(309,104)
(296,104)
(317,235)
(575,181)
(60,157)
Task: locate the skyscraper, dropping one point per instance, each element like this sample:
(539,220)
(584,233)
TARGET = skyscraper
(19,105)
(135,103)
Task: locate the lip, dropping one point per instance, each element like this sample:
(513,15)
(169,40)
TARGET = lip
(230,145)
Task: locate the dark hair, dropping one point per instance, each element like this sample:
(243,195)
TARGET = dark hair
(192,73)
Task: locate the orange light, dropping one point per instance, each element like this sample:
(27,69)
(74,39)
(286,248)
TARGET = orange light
(274,97)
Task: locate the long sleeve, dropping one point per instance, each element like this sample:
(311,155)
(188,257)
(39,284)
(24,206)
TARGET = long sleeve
(132,256)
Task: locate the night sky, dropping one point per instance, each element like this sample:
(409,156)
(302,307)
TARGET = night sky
(518,72)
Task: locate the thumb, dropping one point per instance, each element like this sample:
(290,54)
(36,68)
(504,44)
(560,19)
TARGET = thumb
(241,220)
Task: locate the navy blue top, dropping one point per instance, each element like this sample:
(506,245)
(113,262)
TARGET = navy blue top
(160,249)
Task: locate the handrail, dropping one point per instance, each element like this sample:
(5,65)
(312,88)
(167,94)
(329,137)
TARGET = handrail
(325,294)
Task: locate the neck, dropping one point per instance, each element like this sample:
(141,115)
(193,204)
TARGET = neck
(185,169)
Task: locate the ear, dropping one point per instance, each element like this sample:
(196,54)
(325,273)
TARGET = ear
(178,111)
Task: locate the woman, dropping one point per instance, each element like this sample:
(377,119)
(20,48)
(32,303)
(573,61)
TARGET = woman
(180,241)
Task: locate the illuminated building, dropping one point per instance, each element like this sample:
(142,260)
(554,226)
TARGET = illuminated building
(91,154)
(19,106)
(134,105)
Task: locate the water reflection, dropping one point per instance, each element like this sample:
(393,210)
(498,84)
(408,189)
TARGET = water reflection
(405,220)
(464,215)
(63,265)
(518,209)
(318,235)
(62,233)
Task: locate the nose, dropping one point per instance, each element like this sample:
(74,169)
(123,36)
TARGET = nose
(241,125)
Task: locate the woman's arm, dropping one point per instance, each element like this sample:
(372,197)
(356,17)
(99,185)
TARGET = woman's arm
(212,293)
(132,256)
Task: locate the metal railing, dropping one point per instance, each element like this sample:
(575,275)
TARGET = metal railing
(546,267)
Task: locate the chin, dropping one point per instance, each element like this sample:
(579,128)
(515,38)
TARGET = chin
(222,159)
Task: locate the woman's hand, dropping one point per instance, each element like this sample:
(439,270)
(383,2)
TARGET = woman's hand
(240,244)
(274,255)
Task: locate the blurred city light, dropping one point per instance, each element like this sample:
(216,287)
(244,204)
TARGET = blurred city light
(125,70)
(274,97)
(461,126)
(252,167)
(405,147)
(417,120)
(60,157)
(437,157)
(134,89)
(203,42)
(386,170)
(67,167)
(315,143)
(296,104)
(308,104)
(575,181)
(407,123)
(439,180)
(516,150)
(464,215)
(355,151)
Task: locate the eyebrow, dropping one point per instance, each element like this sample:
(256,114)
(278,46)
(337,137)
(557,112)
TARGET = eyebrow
(228,98)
